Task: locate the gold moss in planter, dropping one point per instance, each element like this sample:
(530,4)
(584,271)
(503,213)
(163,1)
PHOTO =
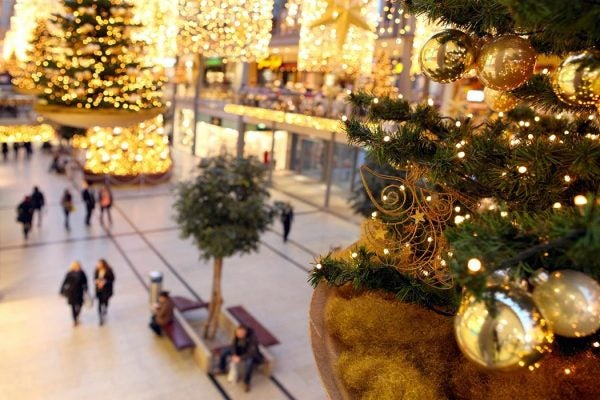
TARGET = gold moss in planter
(378,348)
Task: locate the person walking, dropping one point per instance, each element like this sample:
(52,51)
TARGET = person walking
(287,216)
(5,151)
(38,202)
(25,215)
(104,278)
(105,199)
(90,202)
(67,205)
(16,147)
(28,149)
(73,288)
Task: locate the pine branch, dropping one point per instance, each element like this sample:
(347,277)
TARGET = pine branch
(525,242)
(566,26)
(541,248)
(539,94)
(365,274)
(553,27)
(485,161)
(479,17)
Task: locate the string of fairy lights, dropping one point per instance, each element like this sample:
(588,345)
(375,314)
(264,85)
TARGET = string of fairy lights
(236,30)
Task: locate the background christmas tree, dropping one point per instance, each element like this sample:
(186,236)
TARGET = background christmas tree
(380,82)
(492,223)
(92,62)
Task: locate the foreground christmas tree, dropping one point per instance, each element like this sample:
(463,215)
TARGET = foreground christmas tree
(477,276)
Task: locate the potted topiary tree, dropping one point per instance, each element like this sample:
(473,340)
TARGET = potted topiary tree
(224,210)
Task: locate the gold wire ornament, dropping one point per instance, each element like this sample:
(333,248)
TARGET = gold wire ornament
(408,233)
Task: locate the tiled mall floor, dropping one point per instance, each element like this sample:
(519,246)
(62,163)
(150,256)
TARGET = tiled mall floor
(43,357)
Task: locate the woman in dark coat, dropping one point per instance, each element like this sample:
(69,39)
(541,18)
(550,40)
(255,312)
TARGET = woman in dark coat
(104,278)
(73,288)
(25,215)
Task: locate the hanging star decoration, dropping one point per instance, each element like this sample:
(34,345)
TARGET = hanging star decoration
(406,232)
(342,14)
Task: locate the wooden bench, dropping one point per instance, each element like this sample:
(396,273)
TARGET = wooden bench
(178,335)
(263,336)
(175,330)
(184,304)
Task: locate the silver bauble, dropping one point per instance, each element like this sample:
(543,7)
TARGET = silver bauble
(511,333)
(570,302)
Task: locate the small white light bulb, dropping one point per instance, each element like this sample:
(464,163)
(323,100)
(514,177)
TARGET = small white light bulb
(580,200)
(474,265)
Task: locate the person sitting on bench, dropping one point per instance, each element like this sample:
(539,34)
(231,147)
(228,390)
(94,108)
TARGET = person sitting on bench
(243,351)
(163,313)
(57,165)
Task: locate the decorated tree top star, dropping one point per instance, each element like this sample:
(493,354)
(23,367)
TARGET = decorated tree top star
(342,14)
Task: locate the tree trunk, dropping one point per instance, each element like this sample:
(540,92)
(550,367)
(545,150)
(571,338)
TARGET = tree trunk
(214,308)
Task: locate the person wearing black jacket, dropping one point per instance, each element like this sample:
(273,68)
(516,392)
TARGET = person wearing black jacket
(287,216)
(104,277)
(38,202)
(73,288)
(89,199)
(4,151)
(25,215)
(244,350)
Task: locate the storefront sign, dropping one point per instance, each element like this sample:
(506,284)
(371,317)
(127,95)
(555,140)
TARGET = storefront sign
(272,62)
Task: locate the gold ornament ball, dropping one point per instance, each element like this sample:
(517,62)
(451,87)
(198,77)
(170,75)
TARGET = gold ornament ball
(576,81)
(447,55)
(506,62)
(570,302)
(499,100)
(511,333)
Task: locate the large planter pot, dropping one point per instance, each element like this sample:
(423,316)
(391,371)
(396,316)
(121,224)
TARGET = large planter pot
(81,118)
(367,345)
(324,347)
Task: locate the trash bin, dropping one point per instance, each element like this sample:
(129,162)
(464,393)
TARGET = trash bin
(155,286)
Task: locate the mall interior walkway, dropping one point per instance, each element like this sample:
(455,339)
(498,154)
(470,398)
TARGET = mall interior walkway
(42,356)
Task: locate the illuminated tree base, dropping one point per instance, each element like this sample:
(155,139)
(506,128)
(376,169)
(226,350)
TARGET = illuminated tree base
(149,179)
(90,118)
(127,155)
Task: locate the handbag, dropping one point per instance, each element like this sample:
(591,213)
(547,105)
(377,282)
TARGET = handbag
(233,374)
(64,290)
(88,300)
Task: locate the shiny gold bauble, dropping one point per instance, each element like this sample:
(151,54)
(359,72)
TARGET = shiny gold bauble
(499,101)
(506,62)
(509,333)
(570,302)
(576,81)
(447,55)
